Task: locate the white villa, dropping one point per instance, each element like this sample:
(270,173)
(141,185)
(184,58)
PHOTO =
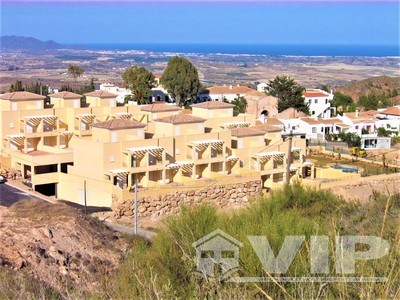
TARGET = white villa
(319,103)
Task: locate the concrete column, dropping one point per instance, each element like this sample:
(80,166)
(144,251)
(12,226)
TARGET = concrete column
(26,145)
(224,155)
(194,152)
(163,175)
(194,172)
(129,179)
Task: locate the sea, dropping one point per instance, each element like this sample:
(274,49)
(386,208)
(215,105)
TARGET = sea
(259,49)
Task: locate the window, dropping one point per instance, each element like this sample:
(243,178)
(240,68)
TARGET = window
(314,130)
(11,125)
(309,101)
(356,127)
(316,101)
(313,112)
(326,101)
(322,129)
(387,126)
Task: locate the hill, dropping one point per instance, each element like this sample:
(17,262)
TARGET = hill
(379,85)
(56,247)
(27,43)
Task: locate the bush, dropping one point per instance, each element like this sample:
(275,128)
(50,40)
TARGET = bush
(166,268)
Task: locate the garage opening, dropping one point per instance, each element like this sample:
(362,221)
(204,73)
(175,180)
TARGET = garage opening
(46,189)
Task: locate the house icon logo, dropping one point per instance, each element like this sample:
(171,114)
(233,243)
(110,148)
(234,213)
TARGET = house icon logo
(217,254)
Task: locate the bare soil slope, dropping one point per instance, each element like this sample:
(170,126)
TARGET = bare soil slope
(57,245)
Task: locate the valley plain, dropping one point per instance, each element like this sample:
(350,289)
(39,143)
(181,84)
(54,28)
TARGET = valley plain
(50,67)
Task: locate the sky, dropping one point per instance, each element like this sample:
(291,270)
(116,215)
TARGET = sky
(195,21)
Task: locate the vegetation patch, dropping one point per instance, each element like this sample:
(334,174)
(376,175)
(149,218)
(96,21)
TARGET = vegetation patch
(166,268)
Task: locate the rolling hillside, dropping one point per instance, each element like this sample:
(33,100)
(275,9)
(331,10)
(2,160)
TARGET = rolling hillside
(378,85)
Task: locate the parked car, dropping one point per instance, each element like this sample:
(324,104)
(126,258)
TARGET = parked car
(2,179)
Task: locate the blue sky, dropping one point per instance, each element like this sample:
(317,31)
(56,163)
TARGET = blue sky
(193,21)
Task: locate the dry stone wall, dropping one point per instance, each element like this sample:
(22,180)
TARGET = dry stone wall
(223,196)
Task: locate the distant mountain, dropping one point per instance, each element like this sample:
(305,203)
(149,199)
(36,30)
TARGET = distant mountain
(27,43)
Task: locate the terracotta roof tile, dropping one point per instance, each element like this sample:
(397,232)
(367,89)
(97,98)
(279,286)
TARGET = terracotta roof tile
(213,105)
(65,95)
(181,119)
(311,94)
(101,94)
(266,128)
(273,121)
(245,131)
(290,113)
(395,110)
(313,121)
(118,124)
(21,96)
(159,107)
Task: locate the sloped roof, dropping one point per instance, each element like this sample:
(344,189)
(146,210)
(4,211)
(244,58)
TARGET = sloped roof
(160,107)
(118,124)
(246,131)
(181,119)
(266,128)
(21,96)
(313,121)
(101,94)
(252,92)
(290,113)
(311,93)
(65,95)
(273,121)
(395,111)
(213,105)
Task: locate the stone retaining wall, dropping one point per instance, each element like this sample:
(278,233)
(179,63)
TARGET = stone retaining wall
(222,196)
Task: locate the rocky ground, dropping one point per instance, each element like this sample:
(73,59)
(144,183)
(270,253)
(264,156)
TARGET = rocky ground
(57,245)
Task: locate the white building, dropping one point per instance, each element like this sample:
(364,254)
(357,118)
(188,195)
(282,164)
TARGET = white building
(314,128)
(121,92)
(224,92)
(319,103)
(261,86)
(372,141)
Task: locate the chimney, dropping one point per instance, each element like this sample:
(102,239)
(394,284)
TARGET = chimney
(357,113)
(230,87)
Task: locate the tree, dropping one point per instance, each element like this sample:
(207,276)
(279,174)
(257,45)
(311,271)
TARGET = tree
(16,87)
(181,79)
(351,139)
(139,81)
(288,92)
(75,71)
(325,88)
(344,101)
(373,101)
(240,103)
